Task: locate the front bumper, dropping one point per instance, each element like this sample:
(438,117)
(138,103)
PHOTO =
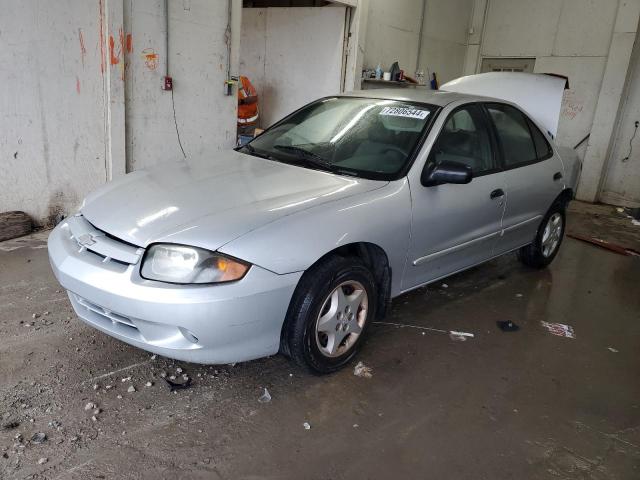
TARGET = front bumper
(205,324)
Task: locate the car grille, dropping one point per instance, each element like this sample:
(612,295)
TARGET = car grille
(105,318)
(108,247)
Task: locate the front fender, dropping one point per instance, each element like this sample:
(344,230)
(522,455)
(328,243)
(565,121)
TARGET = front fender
(295,242)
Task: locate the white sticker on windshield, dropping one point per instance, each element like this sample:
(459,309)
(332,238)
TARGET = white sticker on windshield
(408,112)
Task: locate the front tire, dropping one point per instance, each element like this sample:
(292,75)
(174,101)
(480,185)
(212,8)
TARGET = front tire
(329,314)
(545,247)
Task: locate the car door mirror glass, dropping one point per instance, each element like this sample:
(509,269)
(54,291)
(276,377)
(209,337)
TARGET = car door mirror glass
(446,172)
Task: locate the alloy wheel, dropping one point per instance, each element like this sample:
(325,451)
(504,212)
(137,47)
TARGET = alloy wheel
(341,318)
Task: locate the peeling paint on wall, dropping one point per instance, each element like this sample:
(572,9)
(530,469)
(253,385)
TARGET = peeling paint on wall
(101,36)
(83,50)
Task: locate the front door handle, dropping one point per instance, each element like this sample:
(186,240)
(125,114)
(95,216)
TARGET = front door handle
(498,192)
(557,176)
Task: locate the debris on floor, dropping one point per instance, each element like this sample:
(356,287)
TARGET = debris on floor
(559,329)
(43,460)
(507,326)
(38,438)
(265,397)
(306,426)
(460,336)
(612,350)
(173,386)
(361,370)
(131,389)
(606,245)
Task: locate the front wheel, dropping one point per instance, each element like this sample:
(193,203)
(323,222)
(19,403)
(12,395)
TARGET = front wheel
(545,247)
(329,314)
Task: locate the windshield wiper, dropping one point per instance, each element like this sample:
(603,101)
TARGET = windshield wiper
(255,153)
(310,157)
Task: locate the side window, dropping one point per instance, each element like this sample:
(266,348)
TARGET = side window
(514,135)
(465,139)
(543,149)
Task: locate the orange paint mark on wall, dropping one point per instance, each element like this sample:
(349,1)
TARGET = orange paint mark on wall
(150,58)
(129,43)
(101,37)
(113,58)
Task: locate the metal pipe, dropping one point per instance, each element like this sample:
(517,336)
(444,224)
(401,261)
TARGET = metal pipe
(166,37)
(424,7)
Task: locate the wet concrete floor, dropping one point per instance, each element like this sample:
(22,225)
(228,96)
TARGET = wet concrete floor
(525,404)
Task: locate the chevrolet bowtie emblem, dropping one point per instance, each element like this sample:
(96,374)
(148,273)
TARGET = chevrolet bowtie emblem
(86,240)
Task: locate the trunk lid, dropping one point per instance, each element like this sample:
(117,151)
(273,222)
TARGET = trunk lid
(539,94)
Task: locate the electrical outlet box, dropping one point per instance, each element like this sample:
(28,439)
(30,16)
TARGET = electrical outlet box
(167,83)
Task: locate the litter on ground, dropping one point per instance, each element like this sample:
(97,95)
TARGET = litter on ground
(265,397)
(507,326)
(173,386)
(306,426)
(361,370)
(559,329)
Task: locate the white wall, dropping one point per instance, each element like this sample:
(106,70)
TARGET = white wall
(444,38)
(393,34)
(589,41)
(71,106)
(52,122)
(198,62)
(568,37)
(292,56)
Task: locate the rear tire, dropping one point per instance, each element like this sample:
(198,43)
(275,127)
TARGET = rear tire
(545,247)
(331,309)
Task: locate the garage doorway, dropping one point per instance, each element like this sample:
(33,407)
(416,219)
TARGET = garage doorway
(500,64)
(292,54)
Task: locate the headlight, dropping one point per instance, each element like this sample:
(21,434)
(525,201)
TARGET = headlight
(181,264)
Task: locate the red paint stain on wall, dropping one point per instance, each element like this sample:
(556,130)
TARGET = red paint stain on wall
(77,85)
(101,37)
(113,58)
(129,43)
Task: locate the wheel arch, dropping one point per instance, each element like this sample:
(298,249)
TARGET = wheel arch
(374,257)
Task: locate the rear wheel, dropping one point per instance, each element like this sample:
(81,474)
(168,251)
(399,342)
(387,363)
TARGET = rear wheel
(545,247)
(329,314)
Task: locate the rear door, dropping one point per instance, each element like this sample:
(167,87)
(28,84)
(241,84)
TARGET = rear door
(456,226)
(532,174)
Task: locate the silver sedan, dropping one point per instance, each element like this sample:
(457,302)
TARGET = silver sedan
(297,241)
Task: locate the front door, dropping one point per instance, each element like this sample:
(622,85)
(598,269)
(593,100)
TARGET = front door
(457,226)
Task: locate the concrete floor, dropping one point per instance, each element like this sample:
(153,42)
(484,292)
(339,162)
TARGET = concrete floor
(523,404)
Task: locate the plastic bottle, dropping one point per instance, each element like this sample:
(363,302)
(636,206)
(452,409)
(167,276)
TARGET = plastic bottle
(379,72)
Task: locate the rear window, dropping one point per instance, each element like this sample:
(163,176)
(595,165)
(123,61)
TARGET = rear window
(543,149)
(514,135)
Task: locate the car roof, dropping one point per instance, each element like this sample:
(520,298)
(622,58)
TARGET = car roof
(417,94)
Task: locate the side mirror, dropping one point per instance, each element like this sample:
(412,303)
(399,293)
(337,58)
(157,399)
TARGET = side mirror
(445,172)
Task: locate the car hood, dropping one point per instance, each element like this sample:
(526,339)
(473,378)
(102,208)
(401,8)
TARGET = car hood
(209,202)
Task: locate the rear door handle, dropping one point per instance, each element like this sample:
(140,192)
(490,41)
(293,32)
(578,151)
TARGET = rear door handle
(557,176)
(498,192)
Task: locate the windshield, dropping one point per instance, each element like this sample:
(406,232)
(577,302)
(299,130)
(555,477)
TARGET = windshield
(366,137)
